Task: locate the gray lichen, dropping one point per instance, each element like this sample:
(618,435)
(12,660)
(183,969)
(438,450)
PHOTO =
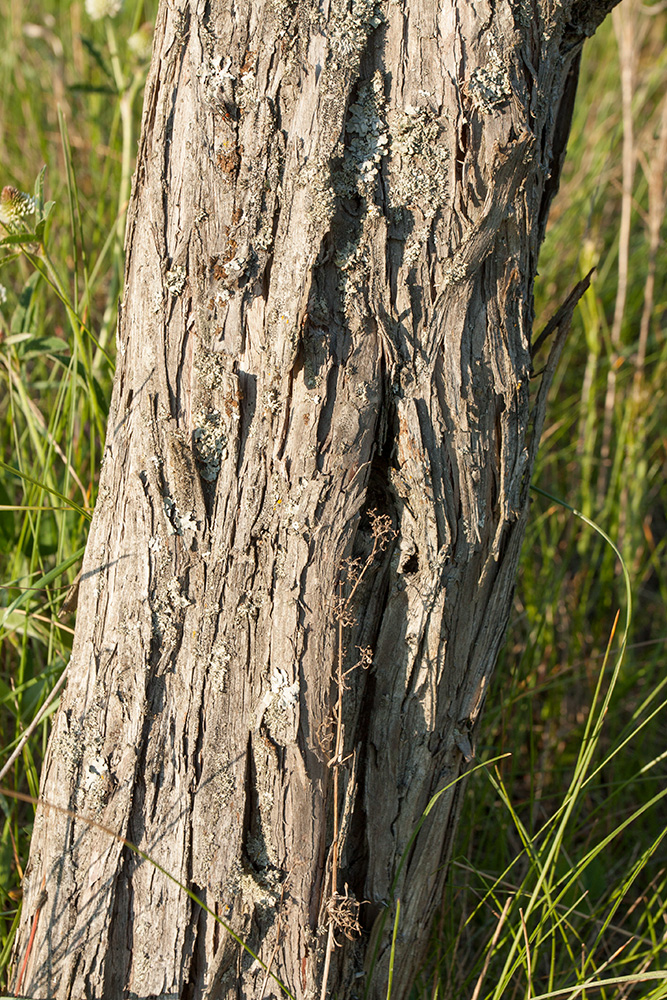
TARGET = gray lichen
(322,204)
(219,661)
(211,369)
(175,280)
(179,521)
(368,139)
(419,159)
(287,695)
(177,598)
(217,81)
(349,33)
(209,442)
(489,85)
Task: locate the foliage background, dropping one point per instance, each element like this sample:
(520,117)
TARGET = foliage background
(559,877)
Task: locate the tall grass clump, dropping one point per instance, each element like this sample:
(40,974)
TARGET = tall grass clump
(69,79)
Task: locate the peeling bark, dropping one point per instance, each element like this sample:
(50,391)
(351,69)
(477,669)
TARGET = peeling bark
(331,250)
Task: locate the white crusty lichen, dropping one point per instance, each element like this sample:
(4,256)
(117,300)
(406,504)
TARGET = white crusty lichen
(263,241)
(368,140)
(216,78)
(96,782)
(177,598)
(95,770)
(209,443)
(179,521)
(489,85)
(292,515)
(236,267)
(175,280)
(287,694)
(218,663)
(419,159)
(348,34)
(272,398)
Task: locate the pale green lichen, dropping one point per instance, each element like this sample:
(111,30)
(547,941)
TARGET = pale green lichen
(211,369)
(353,262)
(221,785)
(260,892)
(349,33)
(367,141)
(489,85)
(419,160)
(366,144)
(350,257)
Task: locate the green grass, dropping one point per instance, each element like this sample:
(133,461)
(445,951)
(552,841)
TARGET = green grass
(560,873)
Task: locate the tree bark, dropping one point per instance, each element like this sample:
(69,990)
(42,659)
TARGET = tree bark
(331,249)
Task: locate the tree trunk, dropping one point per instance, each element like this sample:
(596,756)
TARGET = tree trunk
(331,250)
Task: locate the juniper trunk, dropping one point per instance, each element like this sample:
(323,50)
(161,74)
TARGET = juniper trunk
(331,249)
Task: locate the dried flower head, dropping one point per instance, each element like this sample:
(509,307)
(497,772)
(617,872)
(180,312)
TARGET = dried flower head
(15,205)
(97,9)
